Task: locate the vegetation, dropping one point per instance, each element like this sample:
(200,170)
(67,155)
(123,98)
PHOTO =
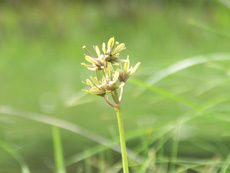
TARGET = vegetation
(176,108)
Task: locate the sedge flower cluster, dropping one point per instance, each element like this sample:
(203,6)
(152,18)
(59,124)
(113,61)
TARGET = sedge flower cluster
(114,71)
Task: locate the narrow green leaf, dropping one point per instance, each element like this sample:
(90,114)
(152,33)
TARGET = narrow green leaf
(58,153)
(70,127)
(79,99)
(182,65)
(5,146)
(226,2)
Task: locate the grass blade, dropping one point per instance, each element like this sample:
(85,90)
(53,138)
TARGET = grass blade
(60,168)
(207,28)
(226,2)
(226,164)
(70,127)
(196,107)
(85,154)
(175,150)
(182,65)
(78,99)
(149,163)
(164,93)
(15,155)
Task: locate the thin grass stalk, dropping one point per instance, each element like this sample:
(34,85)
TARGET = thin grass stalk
(175,150)
(70,127)
(58,154)
(122,140)
(88,168)
(15,155)
(226,164)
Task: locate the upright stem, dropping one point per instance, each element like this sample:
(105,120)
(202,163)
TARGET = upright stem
(60,166)
(122,141)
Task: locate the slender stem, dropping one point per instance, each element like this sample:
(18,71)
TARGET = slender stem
(121,94)
(122,141)
(88,52)
(107,100)
(114,98)
(60,166)
(116,94)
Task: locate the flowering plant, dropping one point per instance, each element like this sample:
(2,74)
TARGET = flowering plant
(114,74)
(113,71)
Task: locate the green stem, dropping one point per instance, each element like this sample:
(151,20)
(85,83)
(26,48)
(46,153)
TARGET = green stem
(114,98)
(122,141)
(60,166)
(107,100)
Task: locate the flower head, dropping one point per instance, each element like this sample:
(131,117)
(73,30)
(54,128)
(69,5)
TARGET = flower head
(106,62)
(127,72)
(96,63)
(94,87)
(111,54)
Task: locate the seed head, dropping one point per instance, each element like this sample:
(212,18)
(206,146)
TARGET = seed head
(127,72)
(106,61)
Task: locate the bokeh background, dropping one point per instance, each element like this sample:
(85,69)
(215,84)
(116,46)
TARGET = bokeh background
(40,72)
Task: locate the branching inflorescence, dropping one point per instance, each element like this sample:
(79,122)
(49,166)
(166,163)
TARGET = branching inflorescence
(114,71)
(114,74)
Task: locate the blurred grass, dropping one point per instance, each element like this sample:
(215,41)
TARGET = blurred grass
(59,159)
(40,56)
(9,149)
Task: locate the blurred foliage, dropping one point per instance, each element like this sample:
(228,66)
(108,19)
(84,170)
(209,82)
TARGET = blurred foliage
(40,55)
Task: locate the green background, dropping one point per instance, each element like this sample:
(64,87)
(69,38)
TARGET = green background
(40,55)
